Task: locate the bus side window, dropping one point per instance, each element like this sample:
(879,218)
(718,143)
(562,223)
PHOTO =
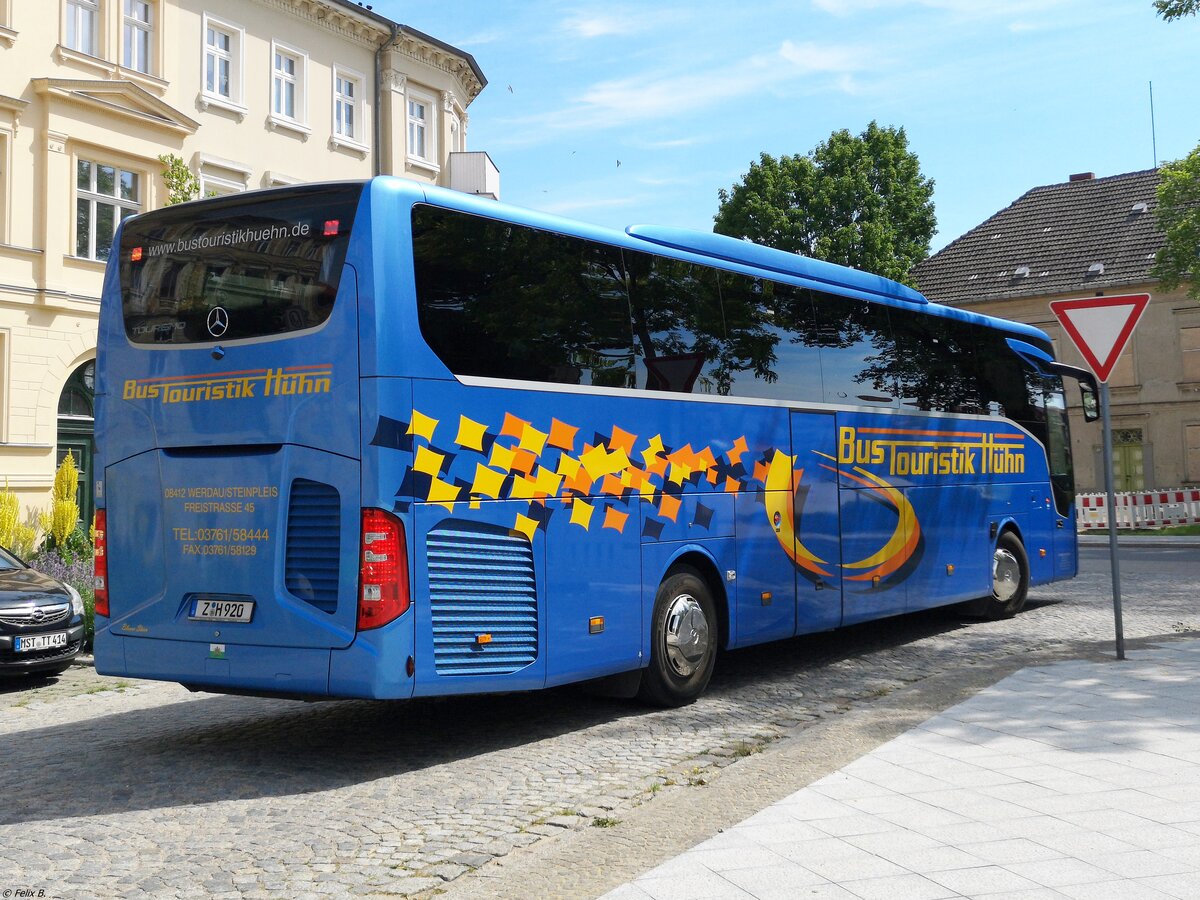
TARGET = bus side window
(932,365)
(858,354)
(677,326)
(506,301)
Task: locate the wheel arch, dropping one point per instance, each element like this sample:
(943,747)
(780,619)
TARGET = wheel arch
(702,562)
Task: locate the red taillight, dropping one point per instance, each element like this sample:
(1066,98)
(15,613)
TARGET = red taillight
(331,227)
(100,563)
(383,570)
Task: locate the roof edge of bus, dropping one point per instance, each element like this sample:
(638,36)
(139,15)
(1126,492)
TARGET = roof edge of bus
(731,249)
(728,250)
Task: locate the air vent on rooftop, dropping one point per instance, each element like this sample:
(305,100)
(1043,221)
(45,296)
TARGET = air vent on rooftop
(1021,272)
(1096,269)
(1139,207)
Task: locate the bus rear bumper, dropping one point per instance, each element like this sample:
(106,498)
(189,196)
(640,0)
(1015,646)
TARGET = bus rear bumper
(216,666)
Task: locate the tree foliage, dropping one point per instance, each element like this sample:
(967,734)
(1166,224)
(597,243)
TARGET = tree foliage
(858,201)
(1178,216)
(182,185)
(1176,9)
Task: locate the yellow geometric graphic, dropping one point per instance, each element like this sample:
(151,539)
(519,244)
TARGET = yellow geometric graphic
(488,482)
(581,514)
(422,425)
(502,457)
(470,434)
(547,482)
(533,440)
(443,494)
(428,462)
(526,526)
(568,466)
(522,489)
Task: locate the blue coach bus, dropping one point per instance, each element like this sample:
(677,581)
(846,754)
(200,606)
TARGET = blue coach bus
(385,440)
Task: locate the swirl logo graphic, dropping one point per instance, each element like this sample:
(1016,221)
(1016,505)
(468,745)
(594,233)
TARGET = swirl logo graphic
(782,482)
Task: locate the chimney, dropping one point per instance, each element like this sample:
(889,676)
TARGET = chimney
(1083,176)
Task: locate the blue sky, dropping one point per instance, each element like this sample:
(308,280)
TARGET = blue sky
(996,96)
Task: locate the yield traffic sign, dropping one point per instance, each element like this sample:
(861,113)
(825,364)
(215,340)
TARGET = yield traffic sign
(1101,327)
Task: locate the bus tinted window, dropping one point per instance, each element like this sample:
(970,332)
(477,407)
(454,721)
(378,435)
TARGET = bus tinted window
(270,263)
(858,355)
(934,363)
(770,349)
(677,323)
(500,300)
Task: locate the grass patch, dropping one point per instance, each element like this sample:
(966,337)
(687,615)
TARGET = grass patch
(605,822)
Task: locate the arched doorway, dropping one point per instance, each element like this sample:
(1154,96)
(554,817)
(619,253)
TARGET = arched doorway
(76,433)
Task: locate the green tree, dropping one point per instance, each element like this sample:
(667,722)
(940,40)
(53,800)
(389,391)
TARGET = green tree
(858,201)
(182,185)
(1178,216)
(1176,9)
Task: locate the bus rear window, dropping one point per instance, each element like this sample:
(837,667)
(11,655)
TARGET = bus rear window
(249,266)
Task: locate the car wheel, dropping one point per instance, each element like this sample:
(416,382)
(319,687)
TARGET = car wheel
(683,640)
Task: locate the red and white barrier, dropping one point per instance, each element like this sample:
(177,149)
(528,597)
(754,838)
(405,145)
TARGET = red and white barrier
(1140,509)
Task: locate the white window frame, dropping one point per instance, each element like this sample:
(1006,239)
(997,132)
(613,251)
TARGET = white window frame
(219,176)
(298,121)
(427,159)
(131,27)
(75,30)
(339,137)
(234,56)
(92,196)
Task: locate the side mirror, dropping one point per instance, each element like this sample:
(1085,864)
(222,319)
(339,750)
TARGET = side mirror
(1091,402)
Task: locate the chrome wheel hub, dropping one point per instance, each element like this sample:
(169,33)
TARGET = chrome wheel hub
(1006,575)
(686,635)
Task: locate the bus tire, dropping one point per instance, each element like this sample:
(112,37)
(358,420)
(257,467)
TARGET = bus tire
(683,637)
(1010,581)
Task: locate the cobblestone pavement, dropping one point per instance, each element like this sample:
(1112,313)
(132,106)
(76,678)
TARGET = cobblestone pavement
(131,788)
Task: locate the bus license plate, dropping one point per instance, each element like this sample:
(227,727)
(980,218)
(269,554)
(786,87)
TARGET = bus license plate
(222,610)
(40,642)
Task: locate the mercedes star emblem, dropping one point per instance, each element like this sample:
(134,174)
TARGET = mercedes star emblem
(218,321)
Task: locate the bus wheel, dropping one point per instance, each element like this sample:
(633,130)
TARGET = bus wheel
(1010,578)
(684,641)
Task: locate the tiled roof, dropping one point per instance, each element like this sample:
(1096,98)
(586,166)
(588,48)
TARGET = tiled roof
(1050,241)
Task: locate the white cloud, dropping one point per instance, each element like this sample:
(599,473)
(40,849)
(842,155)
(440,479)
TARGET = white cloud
(665,96)
(615,22)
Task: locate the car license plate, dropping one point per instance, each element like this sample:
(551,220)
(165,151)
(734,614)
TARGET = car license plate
(222,610)
(32,642)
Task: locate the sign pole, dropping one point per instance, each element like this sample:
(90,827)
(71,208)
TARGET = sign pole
(1106,424)
(1100,327)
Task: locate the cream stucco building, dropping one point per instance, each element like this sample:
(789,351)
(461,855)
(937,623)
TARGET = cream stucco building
(247,93)
(1092,237)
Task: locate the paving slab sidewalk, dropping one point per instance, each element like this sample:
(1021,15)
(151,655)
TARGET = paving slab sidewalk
(1078,779)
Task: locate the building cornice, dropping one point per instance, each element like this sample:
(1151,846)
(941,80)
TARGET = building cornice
(123,98)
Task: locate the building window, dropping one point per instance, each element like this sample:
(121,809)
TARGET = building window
(288,77)
(105,195)
(136,44)
(1189,348)
(83,25)
(347,106)
(1191,437)
(222,60)
(420,112)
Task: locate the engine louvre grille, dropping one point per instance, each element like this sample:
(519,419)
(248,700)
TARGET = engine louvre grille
(314,544)
(481,581)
